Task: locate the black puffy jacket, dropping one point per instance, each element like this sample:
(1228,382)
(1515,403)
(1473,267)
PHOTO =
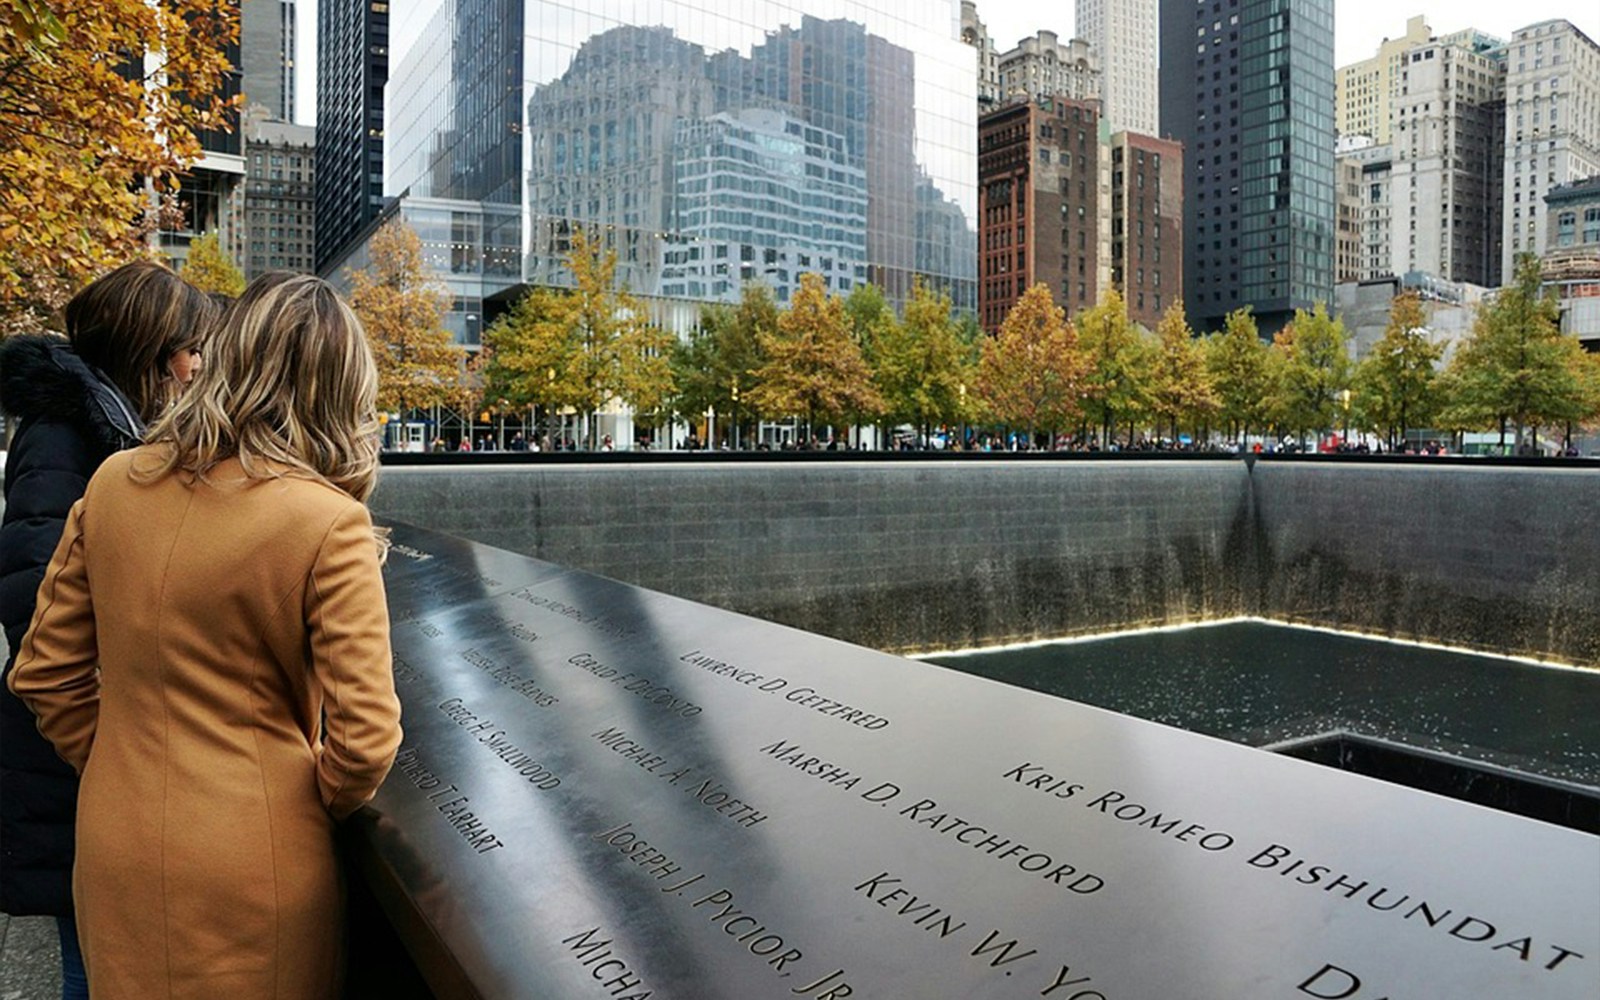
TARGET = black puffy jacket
(72,418)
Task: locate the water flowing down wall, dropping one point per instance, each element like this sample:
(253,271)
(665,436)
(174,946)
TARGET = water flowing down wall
(922,555)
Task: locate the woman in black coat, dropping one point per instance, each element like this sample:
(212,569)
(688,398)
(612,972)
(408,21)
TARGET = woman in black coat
(133,340)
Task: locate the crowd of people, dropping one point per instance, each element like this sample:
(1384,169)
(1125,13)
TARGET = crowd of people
(199,685)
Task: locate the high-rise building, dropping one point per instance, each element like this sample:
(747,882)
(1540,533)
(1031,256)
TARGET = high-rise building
(1347,254)
(1044,66)
(1552,127)
(1365,90)
(755,144)
(279,196)
(1123,34)
(975,34)
(1445,131)
(211,197)
(1039,205)
(1249,93)
(352,67)
(1373,168)
(266,41)
(1146,224)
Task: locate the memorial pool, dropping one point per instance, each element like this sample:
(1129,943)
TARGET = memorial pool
(1266,684)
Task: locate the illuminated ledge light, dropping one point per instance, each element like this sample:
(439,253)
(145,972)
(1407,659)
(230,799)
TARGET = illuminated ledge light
(1090,637)
(1255,619)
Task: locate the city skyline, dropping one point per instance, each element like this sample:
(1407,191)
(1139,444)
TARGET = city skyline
(1359,27)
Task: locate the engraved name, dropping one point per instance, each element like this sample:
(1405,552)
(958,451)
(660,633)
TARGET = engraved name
(537,773)
(797,758)
(447,801)
(510,679)
(598,622)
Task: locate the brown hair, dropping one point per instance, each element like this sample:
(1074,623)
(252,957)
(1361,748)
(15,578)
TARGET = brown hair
(130,323)
(289,382)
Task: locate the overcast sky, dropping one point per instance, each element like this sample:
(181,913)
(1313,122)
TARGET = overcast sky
(1359,25)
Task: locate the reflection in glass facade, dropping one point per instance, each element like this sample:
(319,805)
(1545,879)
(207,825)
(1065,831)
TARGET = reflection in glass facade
(711,141)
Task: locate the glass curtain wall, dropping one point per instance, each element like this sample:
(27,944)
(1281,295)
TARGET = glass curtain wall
(715,142)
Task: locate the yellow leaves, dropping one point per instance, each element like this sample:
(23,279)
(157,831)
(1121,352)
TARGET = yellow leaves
(77,135)
(402,308)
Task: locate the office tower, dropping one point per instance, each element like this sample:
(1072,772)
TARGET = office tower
(1347,242)
(1039,206)
(1365,90)
(1572,219)
(266,37)
(211,197)
(352,67)
(1446,138)
(1044,66)
(1146,224)
(1249,93)
(1552,127)
(279,196)
(1123,34)
(975,34)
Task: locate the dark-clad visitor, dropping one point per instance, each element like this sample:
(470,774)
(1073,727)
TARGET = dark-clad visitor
(211,652)
(133,341)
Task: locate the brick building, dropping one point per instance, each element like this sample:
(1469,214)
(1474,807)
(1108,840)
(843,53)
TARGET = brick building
(1039,204)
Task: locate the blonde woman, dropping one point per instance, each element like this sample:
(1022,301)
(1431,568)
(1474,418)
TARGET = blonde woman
(211,653)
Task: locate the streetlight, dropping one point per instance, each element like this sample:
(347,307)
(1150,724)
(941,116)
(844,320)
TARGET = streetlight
(733,386)
(961,391)
(1344,400)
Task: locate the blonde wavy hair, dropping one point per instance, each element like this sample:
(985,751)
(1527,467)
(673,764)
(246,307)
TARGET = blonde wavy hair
(289,387)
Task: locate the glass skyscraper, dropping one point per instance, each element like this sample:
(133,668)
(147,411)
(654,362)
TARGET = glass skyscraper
(1247,86)
(352,65)
(709,142)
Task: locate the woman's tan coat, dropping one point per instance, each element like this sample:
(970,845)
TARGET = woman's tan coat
(214,659)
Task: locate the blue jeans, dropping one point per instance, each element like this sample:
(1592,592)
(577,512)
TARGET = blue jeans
(74,983)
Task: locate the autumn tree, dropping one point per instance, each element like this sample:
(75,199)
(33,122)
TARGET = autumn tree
(92,125)
(1118,384)
(813,366)
(210,268)
(1396,385)
(620,355)
(1516,367)
(1238,363)
(403,308)
(714,367)
(919,365)
(1031,374)
(1181,387)
(1315,370)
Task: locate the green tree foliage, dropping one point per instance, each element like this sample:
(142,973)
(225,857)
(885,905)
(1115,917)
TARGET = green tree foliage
(210,268)
(919,363)
(1238,363)
(1516,367)
(590,344)
(1396,386)
(1031,374)
(715,366)
(870,318)
(1315,370)
(813,367)
(1181,391)
(529,346)
(1122,367)
(402,308)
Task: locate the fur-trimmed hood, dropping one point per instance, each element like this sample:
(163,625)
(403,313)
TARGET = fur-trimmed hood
(42,377)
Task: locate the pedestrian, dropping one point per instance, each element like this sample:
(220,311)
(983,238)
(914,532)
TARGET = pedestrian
(211,653)
(134,339)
